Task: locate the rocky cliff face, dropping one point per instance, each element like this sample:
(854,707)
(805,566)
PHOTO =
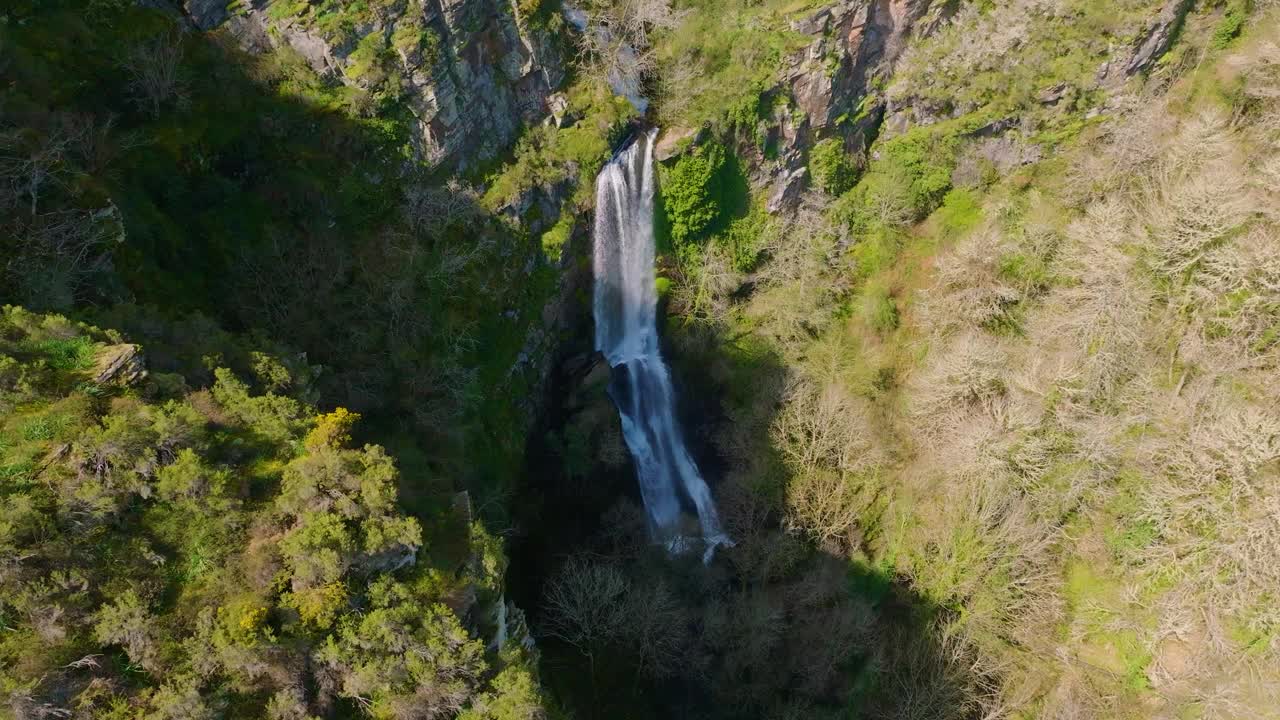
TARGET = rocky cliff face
(472,72)
(830,88)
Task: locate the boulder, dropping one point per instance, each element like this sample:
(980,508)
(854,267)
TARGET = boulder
(1054,95)
(121,365)
(558,107)
(674,141)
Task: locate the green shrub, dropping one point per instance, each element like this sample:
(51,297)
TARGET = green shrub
(662,286)
(366,62)
(908,181)
(1026,270)
(554,239)
(927,157)
(875,251)
(879,309)
(959,213)
(691,193)
(545,155)
(742,239)
(832,168)
(1232,24)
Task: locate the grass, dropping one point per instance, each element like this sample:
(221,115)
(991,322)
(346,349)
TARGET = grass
(68,354)
(46,427)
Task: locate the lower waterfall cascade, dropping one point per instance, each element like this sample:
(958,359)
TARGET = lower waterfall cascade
(625,309)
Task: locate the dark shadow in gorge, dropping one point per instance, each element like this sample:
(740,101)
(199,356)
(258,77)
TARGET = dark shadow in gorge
(254,201)
(773,627)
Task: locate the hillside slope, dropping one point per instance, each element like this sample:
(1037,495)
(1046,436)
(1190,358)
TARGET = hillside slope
(990,411)
(1048,408)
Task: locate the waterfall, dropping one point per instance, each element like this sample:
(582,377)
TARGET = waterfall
(627,334)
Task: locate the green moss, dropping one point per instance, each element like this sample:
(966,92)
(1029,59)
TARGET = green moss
(280,10)
(411,36)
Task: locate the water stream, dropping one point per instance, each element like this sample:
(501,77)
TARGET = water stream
(627,335)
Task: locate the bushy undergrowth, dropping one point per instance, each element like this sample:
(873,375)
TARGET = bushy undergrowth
(244,188)
(222,551)
(1001,56)
(831,167)
(1042,400)
(692,194)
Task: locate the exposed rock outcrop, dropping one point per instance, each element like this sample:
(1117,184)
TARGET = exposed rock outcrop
(788,190)
(1158,36)
(472,72)
(830,84)
(121,365)
(206,14)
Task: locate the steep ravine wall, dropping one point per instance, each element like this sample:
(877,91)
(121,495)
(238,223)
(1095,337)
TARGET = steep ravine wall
(832,88)
(472,72)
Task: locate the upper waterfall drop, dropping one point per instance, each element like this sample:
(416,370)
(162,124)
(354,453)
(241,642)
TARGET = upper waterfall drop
(625,307)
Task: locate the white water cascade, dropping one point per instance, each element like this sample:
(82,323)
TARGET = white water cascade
(626,333)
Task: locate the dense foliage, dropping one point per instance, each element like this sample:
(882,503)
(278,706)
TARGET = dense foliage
(831,168)
(248,189)
(691,194)
(208,542)
(222,552)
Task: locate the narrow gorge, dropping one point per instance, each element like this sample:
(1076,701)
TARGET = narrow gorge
(639,359)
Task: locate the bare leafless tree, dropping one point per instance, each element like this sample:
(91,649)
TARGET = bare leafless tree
(154,69)
(656,634)
(616,43)
(432,209)
(587,605)
(29,167)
